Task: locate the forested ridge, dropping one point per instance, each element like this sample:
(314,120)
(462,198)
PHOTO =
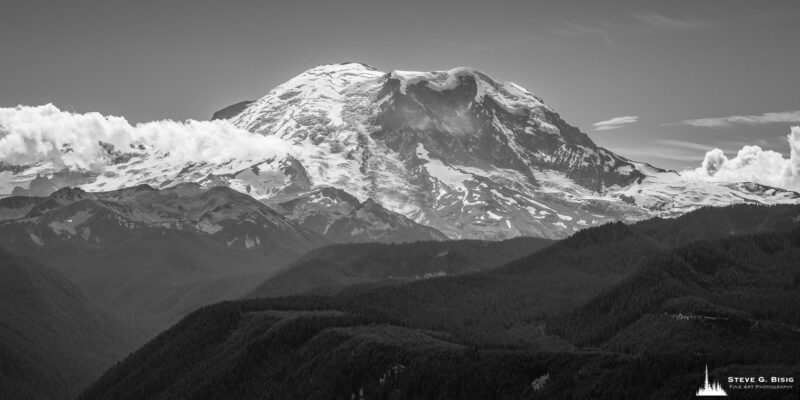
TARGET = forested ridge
(617,311)
(53,340)
(360,267)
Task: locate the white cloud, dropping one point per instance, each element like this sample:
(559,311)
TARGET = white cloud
(634,23)
(658,21)
(32,134)
(597,28)
(614,123)
(752,164)
(725,122)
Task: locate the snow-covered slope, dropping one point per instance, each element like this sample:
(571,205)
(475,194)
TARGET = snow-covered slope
(468,155)
(455,150)
(219,213)
(341,218)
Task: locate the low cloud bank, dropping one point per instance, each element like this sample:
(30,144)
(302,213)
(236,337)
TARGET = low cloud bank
(754,165)
(33,134)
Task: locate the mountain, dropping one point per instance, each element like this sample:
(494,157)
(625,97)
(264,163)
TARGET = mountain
(53,340)
(612,312)
(149,255)
(456,150)
(332,269)
(341,218)
(466,154)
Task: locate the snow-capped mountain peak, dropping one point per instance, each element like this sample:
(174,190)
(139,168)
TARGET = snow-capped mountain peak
(313,97)
(459,151)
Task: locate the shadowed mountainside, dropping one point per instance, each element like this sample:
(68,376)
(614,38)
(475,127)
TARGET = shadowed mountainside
(332,269)
(53,340)
(611,312)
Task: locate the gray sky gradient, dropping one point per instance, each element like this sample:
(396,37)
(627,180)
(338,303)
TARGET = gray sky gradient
(661,61)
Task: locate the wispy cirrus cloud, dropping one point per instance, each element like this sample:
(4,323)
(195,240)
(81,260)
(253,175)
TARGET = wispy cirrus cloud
(662,22)
(636,21)
(682,144)
(462,45)
(614,123)
(667,149)
(592,28)
(726,122)
(447,43)
(657,153)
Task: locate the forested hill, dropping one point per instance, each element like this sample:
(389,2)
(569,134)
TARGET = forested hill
(613,312)
(53,340)
(332,269)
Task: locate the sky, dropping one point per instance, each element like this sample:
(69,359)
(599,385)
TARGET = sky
(657,81)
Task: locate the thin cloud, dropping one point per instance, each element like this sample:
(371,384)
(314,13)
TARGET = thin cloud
(479,46)
(656,152)
(575,29)
(661,22)
(683,144)
(726,122)
(595,28)
(614,123)
(637,21)
(677,150)
(447,43)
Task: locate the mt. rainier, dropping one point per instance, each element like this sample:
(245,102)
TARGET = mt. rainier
(468,155)
(455,150)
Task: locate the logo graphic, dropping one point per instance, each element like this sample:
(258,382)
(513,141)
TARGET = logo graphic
(711,388)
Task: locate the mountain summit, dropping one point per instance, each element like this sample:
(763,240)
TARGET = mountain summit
(461,117)
(464,153)
(456,150)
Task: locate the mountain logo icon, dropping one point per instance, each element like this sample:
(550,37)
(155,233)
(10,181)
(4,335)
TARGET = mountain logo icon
(711,388)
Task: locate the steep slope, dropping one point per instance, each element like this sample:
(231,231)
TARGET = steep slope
(456,150)
(232,110)
(154,255)
(341,218)
(53,340)
(332,269)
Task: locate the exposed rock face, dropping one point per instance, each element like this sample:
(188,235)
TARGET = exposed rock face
(341,218)
(231,110)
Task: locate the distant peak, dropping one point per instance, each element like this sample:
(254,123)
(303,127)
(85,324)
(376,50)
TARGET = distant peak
(145,188)
(68,193)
